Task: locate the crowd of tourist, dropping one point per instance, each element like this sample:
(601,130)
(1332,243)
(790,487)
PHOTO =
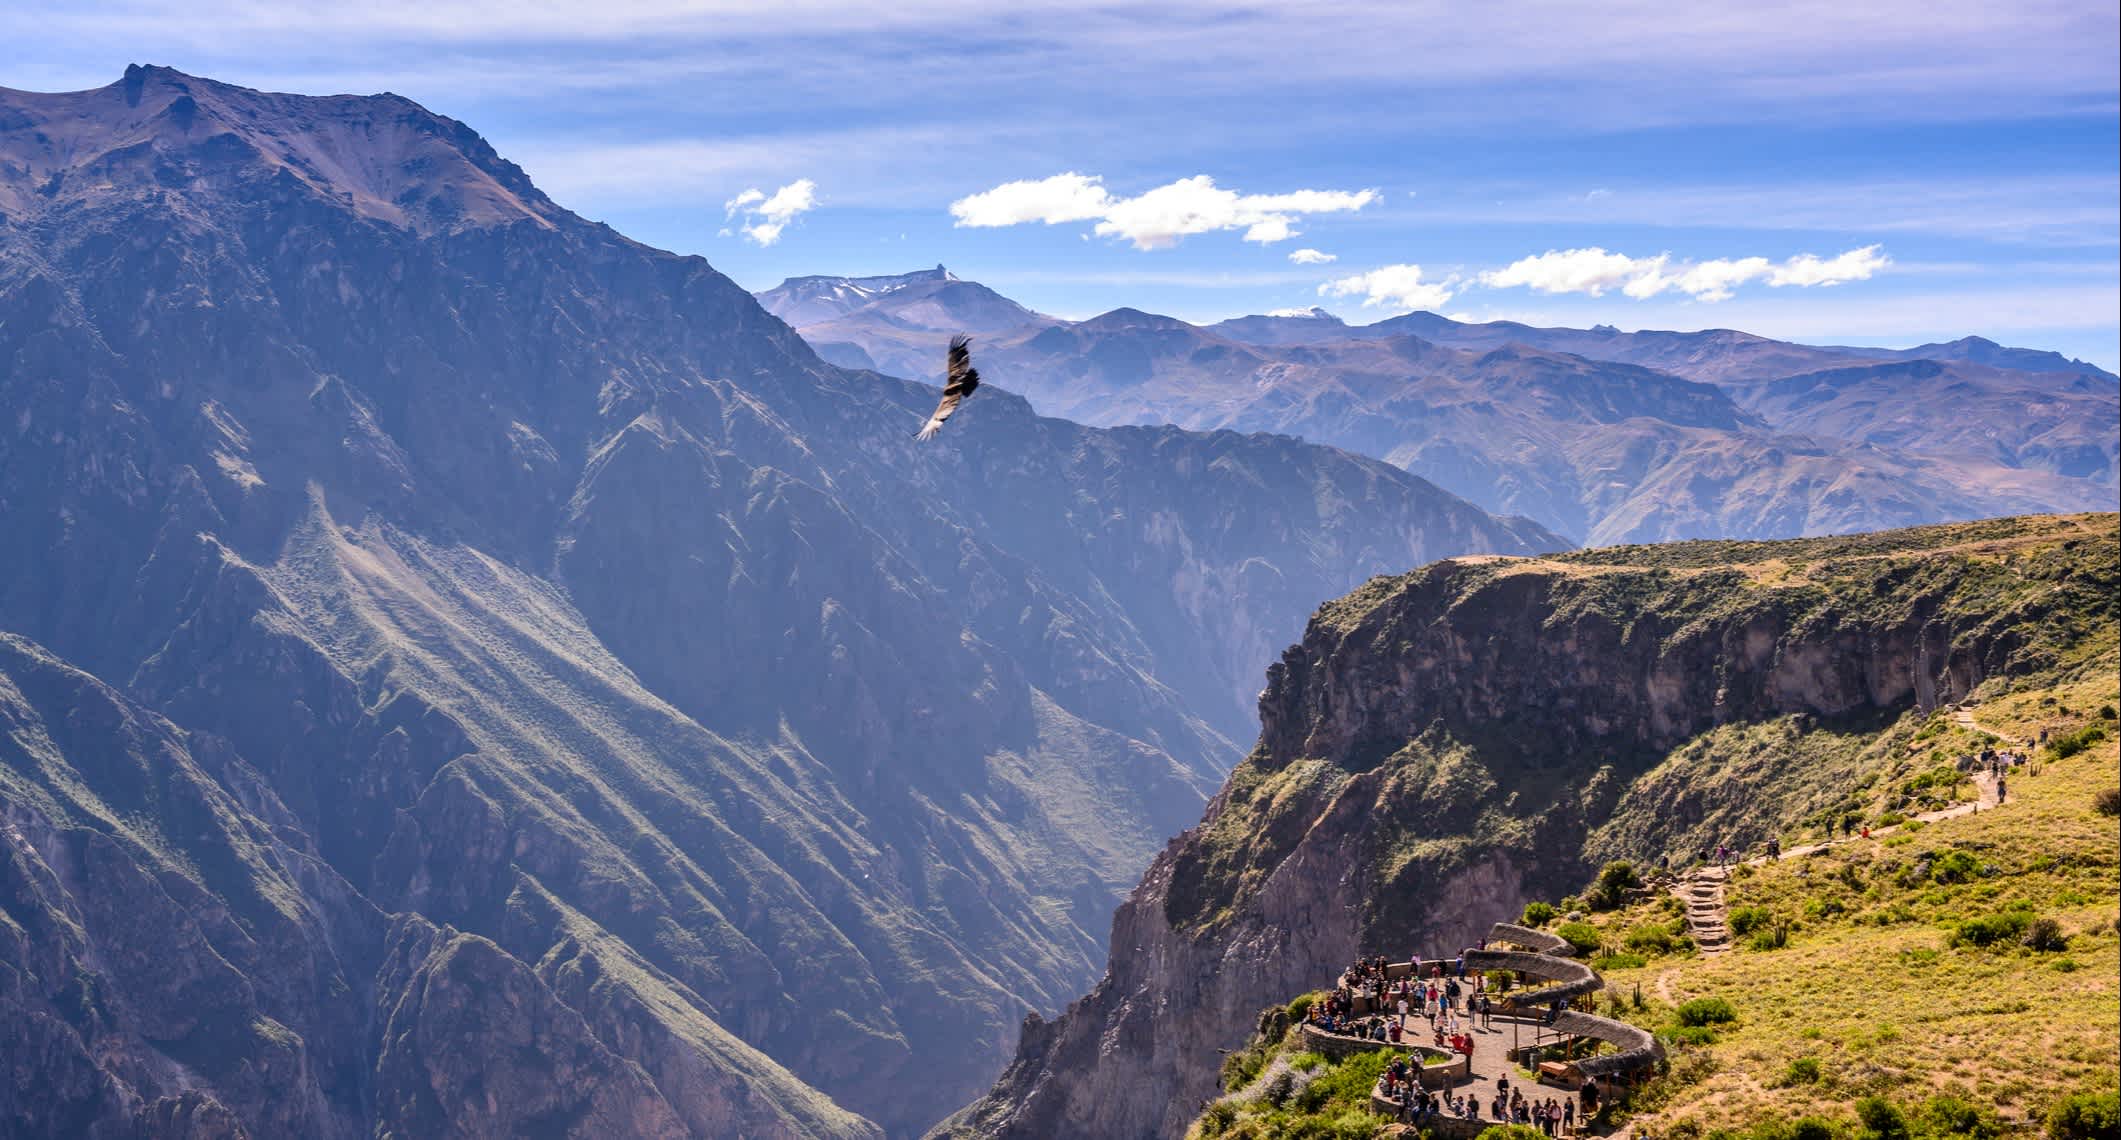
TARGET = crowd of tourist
(1372,1004)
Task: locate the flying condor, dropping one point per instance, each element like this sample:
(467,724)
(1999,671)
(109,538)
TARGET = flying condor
(959,383)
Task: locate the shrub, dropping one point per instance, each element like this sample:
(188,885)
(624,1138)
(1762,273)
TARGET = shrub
(2069,744)
(1581,936)
(1510,1132)
(2107,802)
(1955,867)
(1219,1117)
(1538,914)
(2065,966)
(1882,1120)
(1690,1035)
(1989,929)
(1823,908)
(1277,1091)
(1706,1011)
(1771,938)
(1300,1006)
(1811,1128)
(1802,1071)
(1620,962)
(2044,935)
(1746,919)
(1951,1116)
(2085,1116)
(1651,938)
(1613,883)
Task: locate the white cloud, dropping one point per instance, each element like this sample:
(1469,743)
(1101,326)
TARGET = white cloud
(1312,313)
(1069,197)
(768,214)
(1154,219)
(1593,271)
(1312,257)
(1855,265)
(1392,286)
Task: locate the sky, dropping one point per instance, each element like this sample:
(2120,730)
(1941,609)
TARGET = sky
(1882,173)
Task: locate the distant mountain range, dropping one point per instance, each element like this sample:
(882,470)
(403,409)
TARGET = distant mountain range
(1602,435)
(465,673)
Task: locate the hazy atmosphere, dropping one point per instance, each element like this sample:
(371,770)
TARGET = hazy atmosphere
(1311,571)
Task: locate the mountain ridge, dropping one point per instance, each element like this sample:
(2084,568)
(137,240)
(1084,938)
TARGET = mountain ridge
(1446,401)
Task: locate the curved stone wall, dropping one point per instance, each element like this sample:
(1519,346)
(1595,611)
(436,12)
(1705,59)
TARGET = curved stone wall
(1573,979)
(1536,940)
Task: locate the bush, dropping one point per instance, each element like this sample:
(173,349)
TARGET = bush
(1746,919)
(1651,938)
(1990,929)
(1538,914)
(1300,1006)
(1802,1071)
(1581,936)
(2044,935)
(1955,867)
(2065,965)
(1811,1128)
(2085,1116)
(1510,1132)
(1689,1035)
(1882,1120)
(2107,802)
(1219,1117)
(1823,908)
(2069,744)
(1620,962)
(1613,883)
(1950,1116)
(1706,1011)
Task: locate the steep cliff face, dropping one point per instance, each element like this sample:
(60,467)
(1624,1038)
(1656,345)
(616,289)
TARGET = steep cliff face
(539,586)
(1445,744)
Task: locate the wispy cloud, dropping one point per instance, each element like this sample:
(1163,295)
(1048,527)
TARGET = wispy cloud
(1594,271)
(2058,209)
(1311,257)
(1400,287)
(1154,219)
(763,216)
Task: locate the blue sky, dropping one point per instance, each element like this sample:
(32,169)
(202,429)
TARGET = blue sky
(1878,174)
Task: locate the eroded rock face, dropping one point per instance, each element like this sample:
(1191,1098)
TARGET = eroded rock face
(1444,745)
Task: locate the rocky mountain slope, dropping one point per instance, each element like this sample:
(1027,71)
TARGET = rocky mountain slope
(1447,744)
(1599,434)
(468,673)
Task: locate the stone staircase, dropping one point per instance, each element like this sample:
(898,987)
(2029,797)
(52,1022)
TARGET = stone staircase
(1702,892)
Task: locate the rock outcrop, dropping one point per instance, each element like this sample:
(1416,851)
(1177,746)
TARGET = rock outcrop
(1446,744)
